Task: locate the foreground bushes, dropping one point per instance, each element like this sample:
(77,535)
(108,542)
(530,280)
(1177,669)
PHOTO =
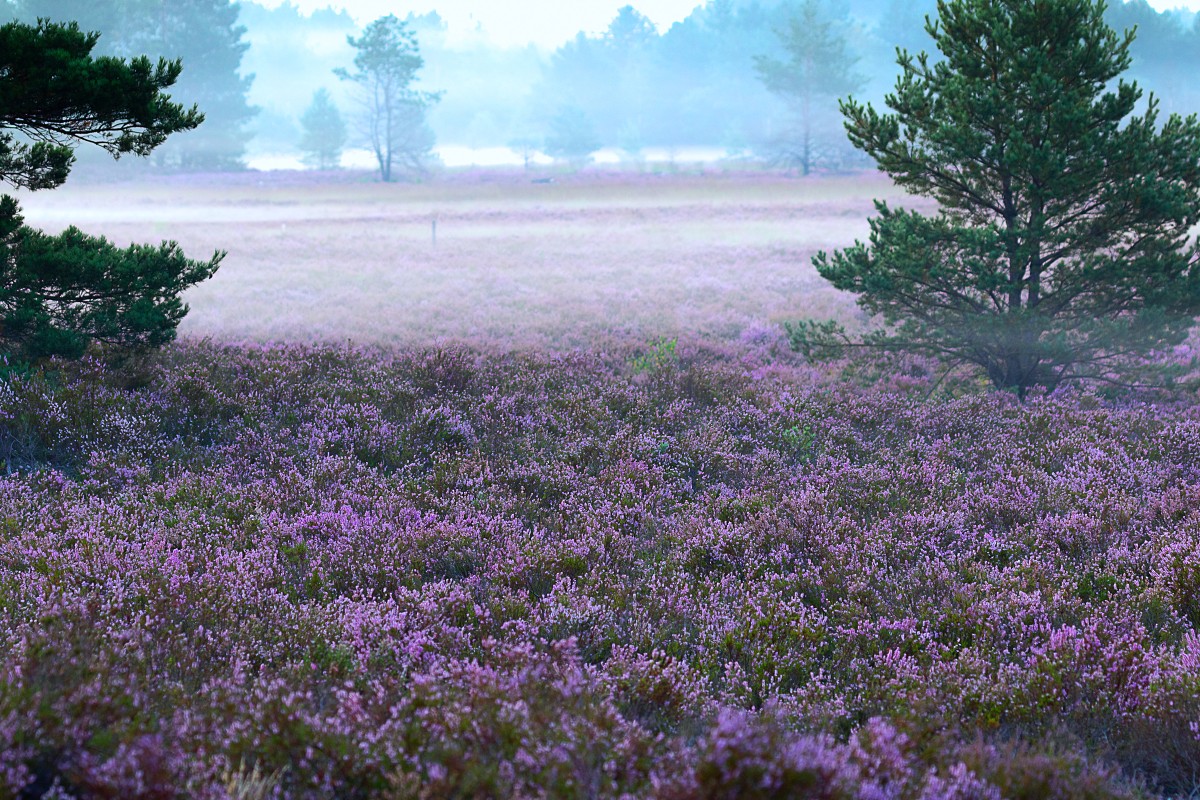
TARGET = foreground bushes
(347,574)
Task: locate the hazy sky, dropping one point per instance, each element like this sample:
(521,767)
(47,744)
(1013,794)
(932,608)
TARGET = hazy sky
(544,22)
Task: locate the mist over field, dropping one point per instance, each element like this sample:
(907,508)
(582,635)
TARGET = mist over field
(681,214)
(688,89)
(564,265)
(547,429)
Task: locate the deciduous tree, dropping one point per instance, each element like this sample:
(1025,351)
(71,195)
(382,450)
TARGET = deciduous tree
(1061,248)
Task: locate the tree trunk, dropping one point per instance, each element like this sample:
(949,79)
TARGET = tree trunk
(806,162)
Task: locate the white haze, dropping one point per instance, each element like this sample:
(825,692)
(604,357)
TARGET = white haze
(510,23)
(538,22)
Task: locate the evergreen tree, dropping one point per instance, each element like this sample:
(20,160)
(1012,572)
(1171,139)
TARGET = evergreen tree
(59,293)
(393,119)
(324,132)
(572,137)
(634,75)
(1061,250)
(818,69)
(204,34)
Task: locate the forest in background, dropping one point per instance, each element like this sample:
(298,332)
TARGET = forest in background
(631,87)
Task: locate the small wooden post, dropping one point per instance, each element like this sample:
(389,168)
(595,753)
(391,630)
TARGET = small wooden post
(434,231)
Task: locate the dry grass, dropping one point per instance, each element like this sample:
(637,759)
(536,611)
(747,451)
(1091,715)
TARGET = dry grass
(516,263)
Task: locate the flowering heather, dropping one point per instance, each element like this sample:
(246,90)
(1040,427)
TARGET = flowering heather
(316,572)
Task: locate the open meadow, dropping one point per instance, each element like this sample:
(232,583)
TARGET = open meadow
(516,263)
(550,509)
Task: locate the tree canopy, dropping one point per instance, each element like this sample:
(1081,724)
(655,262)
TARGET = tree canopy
(571,136)
(59,293)
(1061,247)
(54,93)
(204,34)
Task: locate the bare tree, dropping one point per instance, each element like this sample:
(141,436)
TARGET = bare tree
(393,118)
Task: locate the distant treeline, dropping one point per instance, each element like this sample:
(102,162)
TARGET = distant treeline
(254,71)
(692,84)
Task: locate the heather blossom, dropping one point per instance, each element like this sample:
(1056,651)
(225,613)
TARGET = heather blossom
(318,572)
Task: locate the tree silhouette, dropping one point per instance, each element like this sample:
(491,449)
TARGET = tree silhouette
(819,69)
(324,132)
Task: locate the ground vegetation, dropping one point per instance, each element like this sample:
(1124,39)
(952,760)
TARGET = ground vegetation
(665,571)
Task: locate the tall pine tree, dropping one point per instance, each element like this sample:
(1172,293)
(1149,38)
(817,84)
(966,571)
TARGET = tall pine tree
(1061,248)
(393,117)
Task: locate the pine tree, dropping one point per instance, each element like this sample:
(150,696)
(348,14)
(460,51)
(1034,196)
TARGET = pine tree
(819,69)
(205,35)
(60,293)
(324,132)
(1060,251)
(393,111)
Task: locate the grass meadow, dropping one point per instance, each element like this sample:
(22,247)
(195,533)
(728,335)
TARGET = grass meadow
(548,509)
(516,263)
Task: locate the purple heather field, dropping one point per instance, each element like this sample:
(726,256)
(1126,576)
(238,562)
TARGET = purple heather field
(566,518)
